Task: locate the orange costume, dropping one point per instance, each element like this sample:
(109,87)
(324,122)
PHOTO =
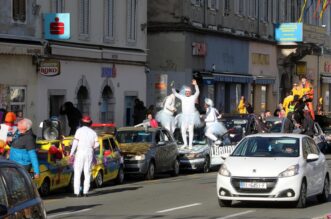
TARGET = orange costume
(308,90)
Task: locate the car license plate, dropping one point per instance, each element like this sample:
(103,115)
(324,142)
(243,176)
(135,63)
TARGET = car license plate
(253,185)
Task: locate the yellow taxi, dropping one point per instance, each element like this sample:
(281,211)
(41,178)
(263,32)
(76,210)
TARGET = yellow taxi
(55,169)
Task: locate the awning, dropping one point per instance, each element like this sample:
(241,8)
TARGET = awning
(264,81)
(234,78)
(21,49)
(326,80)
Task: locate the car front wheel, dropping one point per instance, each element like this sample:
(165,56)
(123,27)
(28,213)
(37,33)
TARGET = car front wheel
(175,171)
(98,180)
(120,176)
(45,188)
(301,202)
(324,196)
(206,165)
(224,203)
(150,172)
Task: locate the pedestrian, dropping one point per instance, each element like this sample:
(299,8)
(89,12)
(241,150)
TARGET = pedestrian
(73,115)
(84,143)
(213,127)
(166,115)
(287,124)
(287,100)
(242,106)
(307,93)
(189,117)
(249,108)
(19,116)
(23,147)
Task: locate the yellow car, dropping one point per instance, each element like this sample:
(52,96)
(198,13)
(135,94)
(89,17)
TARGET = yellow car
(108,163)
(55,170)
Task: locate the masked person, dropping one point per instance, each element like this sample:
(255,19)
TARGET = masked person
(213,127)
(84,143)
(166,115)
(190,116)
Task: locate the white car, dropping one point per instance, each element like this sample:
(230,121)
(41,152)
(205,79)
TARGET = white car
(274,167)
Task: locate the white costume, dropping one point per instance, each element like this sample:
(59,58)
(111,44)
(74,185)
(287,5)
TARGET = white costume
(213,127)
(165,116)
(190,116)
(85,141)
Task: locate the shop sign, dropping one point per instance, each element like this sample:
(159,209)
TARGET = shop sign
(107,72)
(289,32)
(199,49)
(57,26)
(49,68)
(327,67)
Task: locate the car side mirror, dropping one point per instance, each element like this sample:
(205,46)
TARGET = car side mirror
(312,157)
(3,210)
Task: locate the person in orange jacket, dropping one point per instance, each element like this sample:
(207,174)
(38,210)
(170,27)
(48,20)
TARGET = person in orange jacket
(308,95)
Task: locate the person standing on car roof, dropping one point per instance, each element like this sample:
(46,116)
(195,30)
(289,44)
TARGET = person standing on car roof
(84,143)
(166,115)
(190,116)
(213,127)
(73,116)
(23,147)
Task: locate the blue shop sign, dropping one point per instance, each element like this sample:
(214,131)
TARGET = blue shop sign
(106,72)
(289,32)
(57,26)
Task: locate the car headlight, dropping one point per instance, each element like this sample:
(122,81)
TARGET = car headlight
(194,155)
(224,171)
(291,171)
(139,157)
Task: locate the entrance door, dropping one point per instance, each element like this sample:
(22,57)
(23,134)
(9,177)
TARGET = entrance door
(55,103)
(129,106)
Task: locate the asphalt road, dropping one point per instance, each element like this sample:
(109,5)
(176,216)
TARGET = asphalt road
(183,197)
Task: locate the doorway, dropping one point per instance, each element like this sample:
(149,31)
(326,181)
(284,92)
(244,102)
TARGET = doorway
(56,100)
(129,108)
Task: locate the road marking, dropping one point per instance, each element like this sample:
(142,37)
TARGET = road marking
(65,213)
(180,207)
(237,214)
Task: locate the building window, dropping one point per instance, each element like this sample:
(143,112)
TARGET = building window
(132,20)
(252,8)
(226,7)
(213,4)
(265,10)
(293,14)
(19,10)
(109,19)
(275,11)
(84,17)
(57,6)
(198,3)
(83,102)
(107,105)
(17,98)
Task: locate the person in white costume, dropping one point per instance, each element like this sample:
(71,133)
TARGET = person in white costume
(190,116)
(213,127)
(166,115)
(85,141)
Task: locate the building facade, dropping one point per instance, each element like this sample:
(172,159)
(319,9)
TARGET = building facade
(228,46)
(101,66)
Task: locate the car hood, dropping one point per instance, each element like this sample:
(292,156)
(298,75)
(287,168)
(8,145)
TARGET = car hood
(263,166)
(134,148)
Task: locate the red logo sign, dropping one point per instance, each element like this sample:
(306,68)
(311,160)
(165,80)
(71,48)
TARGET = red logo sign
(57,27)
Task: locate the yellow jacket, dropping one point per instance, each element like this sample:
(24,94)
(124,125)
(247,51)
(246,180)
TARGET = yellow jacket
(298,92)
(241,107)
(286,102)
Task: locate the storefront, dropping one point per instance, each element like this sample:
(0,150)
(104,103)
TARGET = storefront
(325,81)
(263,67)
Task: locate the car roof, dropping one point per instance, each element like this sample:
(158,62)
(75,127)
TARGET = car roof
(277,135)
(132,128)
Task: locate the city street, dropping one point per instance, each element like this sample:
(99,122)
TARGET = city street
(186,196)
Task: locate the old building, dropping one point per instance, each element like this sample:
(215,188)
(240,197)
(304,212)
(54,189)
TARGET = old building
(101,66)
(229,46)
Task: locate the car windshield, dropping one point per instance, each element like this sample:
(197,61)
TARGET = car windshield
(268,147)
(134,136)
(235,124)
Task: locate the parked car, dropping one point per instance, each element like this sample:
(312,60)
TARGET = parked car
(108,163)
(325,122)
(275,126)
(19,197)
(55,169)
(240,125)
(148,151)
(293,169)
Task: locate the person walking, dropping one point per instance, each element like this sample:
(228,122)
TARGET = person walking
(73,116)
(190,116)
(23,147)
(84,143)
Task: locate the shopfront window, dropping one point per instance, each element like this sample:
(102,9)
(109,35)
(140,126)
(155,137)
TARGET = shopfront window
(263,97)
(17,98)
(19,10)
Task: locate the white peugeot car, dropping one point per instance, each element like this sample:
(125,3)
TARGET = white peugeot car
(274,167)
